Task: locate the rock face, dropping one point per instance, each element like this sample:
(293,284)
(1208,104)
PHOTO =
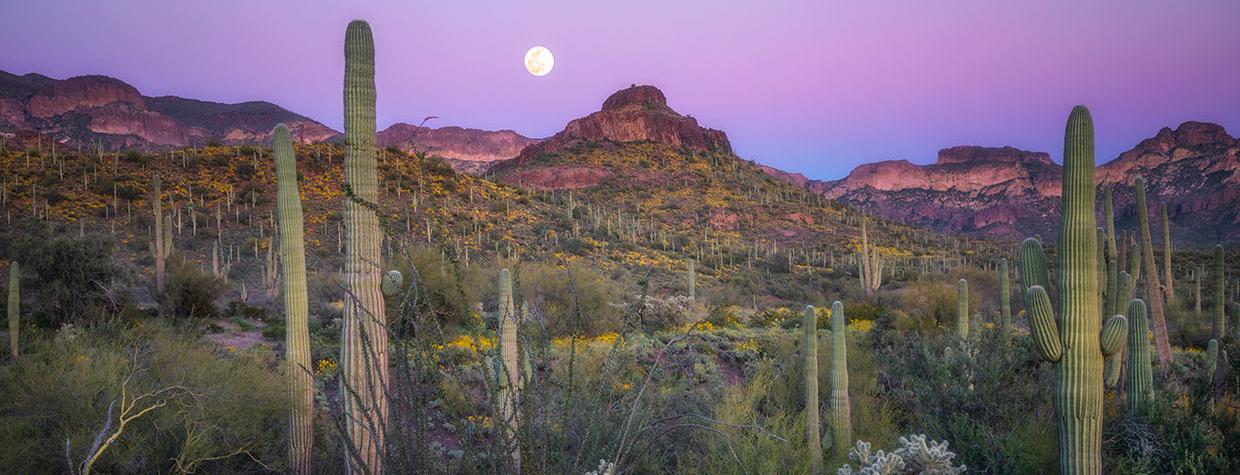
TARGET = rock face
(98,109)
(1011,193)
(470,150)
(635,114)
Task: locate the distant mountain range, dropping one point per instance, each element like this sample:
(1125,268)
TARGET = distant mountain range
(1000,192)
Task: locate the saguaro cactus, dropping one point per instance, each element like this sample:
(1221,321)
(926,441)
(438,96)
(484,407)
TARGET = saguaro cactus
(870,263)
(159,250)
(692,279)
(1220,323)
(15,311)
(1076,341)
(1168,278)
(812,438)
(1140,371)
(1005,300)
(1153,289)
(297,330)
(510,374)
(1211,360)
(841,412)
(962,309)
(363,349)
(1112,303)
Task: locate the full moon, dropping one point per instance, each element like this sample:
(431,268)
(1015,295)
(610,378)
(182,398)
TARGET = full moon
(539,61)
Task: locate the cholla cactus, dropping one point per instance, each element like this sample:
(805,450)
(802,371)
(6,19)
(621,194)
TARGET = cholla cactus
(604,468)
(916,455)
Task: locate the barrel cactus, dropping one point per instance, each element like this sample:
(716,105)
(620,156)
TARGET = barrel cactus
(297,330)
(1075,340)
(364,348)
(810,374)
(1140,369)
(841,413)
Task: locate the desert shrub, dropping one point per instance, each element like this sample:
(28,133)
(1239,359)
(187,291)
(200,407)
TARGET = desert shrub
(191,292)
(575,299)
(66,279)
(663,313)
(228,408)
(916,455)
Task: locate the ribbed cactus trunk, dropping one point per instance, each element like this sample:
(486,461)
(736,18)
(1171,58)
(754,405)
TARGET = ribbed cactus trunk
(867,270)
(1078,340)
(297,329)
(363,349)
(1168,279)
(692,279)
(510,375)
(1211,360)
(1153,289)
(962,309)
(1134,271)
(841,411)
(157,250)
(1140,369)
(813,438)
(1005,300)
(1220,322)
(1113,302)
(1197,292)
(15,309)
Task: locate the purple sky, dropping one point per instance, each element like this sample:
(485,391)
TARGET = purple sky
(810,86)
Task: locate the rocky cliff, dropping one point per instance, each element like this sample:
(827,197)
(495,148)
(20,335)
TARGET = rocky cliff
(470,150)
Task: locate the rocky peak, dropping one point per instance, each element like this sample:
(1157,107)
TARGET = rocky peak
(83,92)
(456,143)
(647,97)
(971,154)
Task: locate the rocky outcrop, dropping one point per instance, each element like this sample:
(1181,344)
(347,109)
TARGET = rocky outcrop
(1011,193)
(99,109)
(635,114)
(478,148)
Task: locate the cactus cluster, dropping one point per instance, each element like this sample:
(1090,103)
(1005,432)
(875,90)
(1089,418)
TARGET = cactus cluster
(363,349)
(297,329)
(1075,340)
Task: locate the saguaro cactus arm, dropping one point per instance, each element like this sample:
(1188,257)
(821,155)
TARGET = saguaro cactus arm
(1042,325)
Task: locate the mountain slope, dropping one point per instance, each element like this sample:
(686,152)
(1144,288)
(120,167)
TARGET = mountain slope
(1010,193)
(469,150)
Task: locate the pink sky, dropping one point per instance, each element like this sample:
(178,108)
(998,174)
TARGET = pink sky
(810,86)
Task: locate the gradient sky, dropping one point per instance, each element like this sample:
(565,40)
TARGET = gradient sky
(810,86)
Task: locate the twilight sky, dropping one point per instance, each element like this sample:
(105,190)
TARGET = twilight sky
(810,86)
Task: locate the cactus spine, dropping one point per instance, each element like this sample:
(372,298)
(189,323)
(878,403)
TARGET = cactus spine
(15,310)
(962,309)
(1077,340)
(1005,300)
(1220,323)
(1140,371)
(510,378)
(297,330)
(1153,289)
(841,412)
(364,357)
(812,438)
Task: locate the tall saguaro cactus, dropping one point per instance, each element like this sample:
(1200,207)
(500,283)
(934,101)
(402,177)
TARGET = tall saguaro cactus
(692,279)
(363,349)
(841,412)
(1005,300)
(812,423)
(158,248)
(510,374)
(1220,322)
(15,309)
(870,263)
(297,329)
(1153,289)
(1168,279)
(1140,371)
(962,309)
(1077,340)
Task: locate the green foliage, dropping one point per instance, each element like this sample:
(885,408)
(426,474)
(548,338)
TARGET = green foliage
(227,408)
(66,279)
(191,292)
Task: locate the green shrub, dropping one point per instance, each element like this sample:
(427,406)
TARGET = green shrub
(191,292)
(66,279)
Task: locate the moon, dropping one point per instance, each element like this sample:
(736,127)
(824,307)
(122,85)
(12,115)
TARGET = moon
(539,61)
